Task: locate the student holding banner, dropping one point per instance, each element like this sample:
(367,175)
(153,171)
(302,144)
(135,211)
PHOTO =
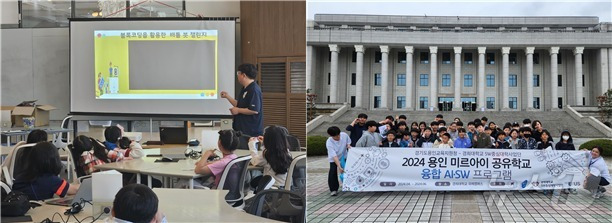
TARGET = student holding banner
(337,145)
(599,175)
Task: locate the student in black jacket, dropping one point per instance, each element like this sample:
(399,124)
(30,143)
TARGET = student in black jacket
(501,142)
(566,142)
(389,141)
(546,142)
(357,127)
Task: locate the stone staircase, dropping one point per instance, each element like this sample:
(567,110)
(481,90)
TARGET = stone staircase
(554,121)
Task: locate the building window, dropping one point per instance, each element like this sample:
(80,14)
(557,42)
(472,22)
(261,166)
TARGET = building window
(353,78)
(536,58)
(468,80)
(559,61)
(446,80)
(513,102)
(446,58)
(401,57)
(583,101)
(559,80)
(377,57)
(423,102)
(354,57)
(329,57)
(582,56)
(490,58)
(536,80)
(401,101)
(536,102)
(401,79)
(513,80)
(490,102)
(352,101)
(583,80)
(560,102)
(328,99)
(490,80)
(328,78)
(377,79)
(424,79)
(376,101)
(467,58)
(424,57)
(512,58)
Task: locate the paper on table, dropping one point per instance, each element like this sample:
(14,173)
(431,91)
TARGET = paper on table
(153,151)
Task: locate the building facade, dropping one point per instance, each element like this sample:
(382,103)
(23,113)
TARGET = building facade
(458,63)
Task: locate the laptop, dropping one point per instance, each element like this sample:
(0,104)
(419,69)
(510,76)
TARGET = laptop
(83,193)
(173,135)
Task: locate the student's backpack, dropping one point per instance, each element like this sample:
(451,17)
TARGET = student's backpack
(15,203)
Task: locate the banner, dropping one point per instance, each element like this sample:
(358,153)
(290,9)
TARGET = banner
(419,169)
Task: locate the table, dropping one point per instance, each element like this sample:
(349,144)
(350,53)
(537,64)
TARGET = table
(23,133)
(39,214)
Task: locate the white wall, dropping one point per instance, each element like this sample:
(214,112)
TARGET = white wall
(10,14)
(213,8)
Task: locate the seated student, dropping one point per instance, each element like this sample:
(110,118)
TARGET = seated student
(428,139)
(21,158)
(136,203)
(444,142)
(405,139)
(39,180)
(501,142)
(463,141)
(112,135)
(401,126)
(441,132)
(514,139)
(545,143)
(275,158)
(598,173)
(337,145)
(415,139)
(527,142)
(228,143)
(389,141)
(369,138)
(132,148)
(90,153)
(566,142)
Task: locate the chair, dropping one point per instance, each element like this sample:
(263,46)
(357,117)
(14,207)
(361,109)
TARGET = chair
(61,140)
(244,142)
(233,178)
(266,182)
(296,175)
(5,189)
(294,143)
(279,205)
(9,171)
(75,161)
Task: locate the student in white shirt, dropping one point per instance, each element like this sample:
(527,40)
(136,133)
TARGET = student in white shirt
(275,157)
(337,145)
(598,169)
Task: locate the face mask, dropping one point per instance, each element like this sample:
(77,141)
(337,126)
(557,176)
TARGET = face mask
(527,135)
(565,137)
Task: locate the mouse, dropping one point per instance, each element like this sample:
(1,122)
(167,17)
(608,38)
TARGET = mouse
(166,159)
(34,204)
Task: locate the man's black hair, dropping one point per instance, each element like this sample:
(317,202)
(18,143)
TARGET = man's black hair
(37,136)
(484,119)
(526,121)
(362,115)
(402,117)
(112,134)
(333,131)
(371,123)
(249,70)
(439,116)
(389,117)
(442,122)
(135,203)
(459,123)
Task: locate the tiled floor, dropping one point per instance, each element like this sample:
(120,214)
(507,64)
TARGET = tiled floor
(417,206)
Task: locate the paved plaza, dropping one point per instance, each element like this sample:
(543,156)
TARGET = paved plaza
(423,206)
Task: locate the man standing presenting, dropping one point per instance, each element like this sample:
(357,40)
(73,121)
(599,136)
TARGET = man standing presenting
(247,110)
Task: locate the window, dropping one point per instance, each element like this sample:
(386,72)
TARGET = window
(536,102)
(583,80)
(468,80)
(446,58)
(490,58)
(328,99)
(536,80)
(490,102)
(353,78)
(560,102)
(423,102)
(424,79)
(377,79)
(582,56)
(512,58)
(328,78)
(401,101)
(401,57)
(352,101)
(156,9)
(490,80)
(329,57)
(467,58)
(583,101)
(377,57)
(424,57)
(354,57)
(513,102)
(39,14)
(401,79)
(376,101)
(446,80)
(559,61)
(536,58)
(559,80)
(513,80)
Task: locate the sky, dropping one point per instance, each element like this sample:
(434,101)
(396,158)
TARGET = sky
(599,8)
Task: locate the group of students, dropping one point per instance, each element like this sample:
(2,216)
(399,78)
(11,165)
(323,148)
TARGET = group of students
(479,134)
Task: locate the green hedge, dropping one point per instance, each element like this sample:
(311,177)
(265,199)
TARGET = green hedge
(316,145)
(606,144)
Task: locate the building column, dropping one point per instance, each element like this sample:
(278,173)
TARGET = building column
(554,72)
(481,78)
(409,78)
(529,54)
(505,79)
(309,65)
(457,84)
(604,76)
(333,85)
(578,73)
(384,87)
(609,69)
(359,49)
(433,89)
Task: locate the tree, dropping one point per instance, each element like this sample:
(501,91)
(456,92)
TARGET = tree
(310,100)
(605,106)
